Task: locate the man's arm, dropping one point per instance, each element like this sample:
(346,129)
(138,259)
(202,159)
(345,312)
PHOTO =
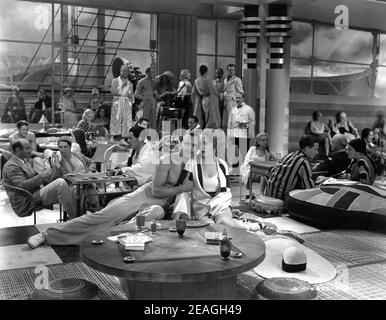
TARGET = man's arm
(138,91)
(231,123)
(239,86)
(115,87)
(32,139)
(18,178)
(305,173)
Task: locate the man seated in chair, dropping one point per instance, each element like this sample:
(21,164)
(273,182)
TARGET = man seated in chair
(46,191)
(338,160)
(24,133)
(143,160)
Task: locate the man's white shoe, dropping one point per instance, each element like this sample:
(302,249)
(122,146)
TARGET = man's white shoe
(36,240)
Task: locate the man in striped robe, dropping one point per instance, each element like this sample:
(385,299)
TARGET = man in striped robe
(294,171)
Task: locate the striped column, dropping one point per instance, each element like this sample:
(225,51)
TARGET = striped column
(249,31)
(277,30)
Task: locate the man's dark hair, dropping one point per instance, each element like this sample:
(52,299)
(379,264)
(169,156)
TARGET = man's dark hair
(147,70)
(142,119)
(307,141)
(18,144)
(221,70)
(203,69)
(136,130)
(231,65)
(194,118)
(365,133)
(22,123)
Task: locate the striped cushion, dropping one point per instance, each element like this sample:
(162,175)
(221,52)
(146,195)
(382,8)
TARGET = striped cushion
(359,206)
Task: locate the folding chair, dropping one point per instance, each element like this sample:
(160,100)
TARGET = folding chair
(34,207)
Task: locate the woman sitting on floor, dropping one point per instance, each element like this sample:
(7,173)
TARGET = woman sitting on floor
(259,152)
(211,193)
(68,162)
(361,168)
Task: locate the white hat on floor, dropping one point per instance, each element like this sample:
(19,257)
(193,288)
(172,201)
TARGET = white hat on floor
(294,256)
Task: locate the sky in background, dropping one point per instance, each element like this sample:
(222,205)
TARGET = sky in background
(23,20)
(339,45)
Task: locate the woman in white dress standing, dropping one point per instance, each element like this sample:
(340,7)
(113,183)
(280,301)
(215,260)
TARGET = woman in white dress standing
(121,117)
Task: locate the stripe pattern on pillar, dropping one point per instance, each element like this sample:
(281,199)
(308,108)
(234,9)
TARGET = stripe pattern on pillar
(277,29)
(249,30)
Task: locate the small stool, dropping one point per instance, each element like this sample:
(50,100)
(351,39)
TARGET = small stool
(174,115)
(281,288)
(67,289)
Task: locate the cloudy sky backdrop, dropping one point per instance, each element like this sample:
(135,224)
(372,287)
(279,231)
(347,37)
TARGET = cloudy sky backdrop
(20,20)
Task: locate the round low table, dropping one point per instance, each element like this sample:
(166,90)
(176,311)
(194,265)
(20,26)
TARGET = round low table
(176,268)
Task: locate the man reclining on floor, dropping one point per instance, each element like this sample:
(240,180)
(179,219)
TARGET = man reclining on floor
(155,192)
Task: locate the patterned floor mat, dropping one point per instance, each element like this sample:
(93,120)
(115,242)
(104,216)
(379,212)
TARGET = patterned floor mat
(348,250)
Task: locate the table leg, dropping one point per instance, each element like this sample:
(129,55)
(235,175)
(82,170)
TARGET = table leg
(77,200)
(221,289)
(250,186)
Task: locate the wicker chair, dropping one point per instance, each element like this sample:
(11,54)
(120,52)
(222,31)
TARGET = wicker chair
(30,197)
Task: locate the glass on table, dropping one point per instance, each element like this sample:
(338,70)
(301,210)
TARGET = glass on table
(140,221)
(225,248)
(180,226)
(108,165)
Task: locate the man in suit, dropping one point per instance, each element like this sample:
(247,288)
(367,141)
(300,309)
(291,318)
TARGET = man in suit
(45,190)
(338,160)
(232,85)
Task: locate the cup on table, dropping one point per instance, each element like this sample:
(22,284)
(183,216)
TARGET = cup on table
(108,165)
(225,248)
(140,221)
(180,226)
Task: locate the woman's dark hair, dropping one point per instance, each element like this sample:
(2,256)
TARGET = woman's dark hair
(358,144)
(65,139)
(99,109)
(203,69)
(315,115)
(365,133)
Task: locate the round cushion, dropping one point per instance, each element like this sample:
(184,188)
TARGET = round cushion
(67,289)
(340,206)
(285,289)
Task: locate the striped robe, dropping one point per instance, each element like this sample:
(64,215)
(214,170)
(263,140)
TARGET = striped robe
(293,172)
(204,204)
